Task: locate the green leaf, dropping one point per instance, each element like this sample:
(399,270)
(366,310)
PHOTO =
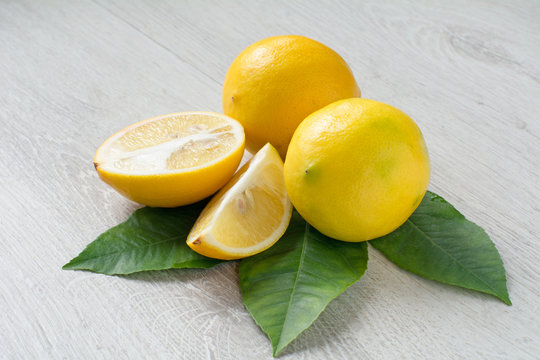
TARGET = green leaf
(150,239)
(437,242)
(286,287)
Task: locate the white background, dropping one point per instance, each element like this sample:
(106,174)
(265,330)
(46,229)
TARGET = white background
(74,72)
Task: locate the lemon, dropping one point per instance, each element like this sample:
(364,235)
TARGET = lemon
(275,83)
(357,169)
(172,160)
(248,215)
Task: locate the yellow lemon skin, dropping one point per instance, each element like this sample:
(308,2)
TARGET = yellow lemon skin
(171,190)
(357,169)
(275,83)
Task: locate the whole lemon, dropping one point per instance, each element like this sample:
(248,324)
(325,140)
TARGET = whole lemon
(357,169)
(275,83)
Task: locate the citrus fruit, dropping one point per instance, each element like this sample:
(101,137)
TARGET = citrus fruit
(172,160)
(357,169)
(248,215)
(275,83)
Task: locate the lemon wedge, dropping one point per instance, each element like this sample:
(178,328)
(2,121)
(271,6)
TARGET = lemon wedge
(172,160)
(249,214)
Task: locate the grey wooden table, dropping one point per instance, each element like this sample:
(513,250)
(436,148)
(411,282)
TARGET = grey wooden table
(74,72)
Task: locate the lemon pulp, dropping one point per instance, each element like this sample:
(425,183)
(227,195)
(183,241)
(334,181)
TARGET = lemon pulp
(249,214)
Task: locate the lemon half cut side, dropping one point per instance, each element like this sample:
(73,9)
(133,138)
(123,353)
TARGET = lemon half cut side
(172,160)
(249,214)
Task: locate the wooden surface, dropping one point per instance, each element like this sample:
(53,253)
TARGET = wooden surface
(74,72)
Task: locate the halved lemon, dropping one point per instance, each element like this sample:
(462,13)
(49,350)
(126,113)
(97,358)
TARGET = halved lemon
(249,214)
(172,160)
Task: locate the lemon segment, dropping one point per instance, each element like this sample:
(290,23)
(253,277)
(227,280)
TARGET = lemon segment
(172,160)
(249,214)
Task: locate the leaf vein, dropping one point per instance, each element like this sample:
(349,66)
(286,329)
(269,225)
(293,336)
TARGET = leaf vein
(293,289)
(452,257)
(113,253)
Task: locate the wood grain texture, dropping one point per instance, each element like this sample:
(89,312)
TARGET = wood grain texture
(72,73)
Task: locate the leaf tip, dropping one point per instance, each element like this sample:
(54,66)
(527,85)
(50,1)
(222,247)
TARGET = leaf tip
(282,343)
(68,266)
(277,350)
(506,299)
